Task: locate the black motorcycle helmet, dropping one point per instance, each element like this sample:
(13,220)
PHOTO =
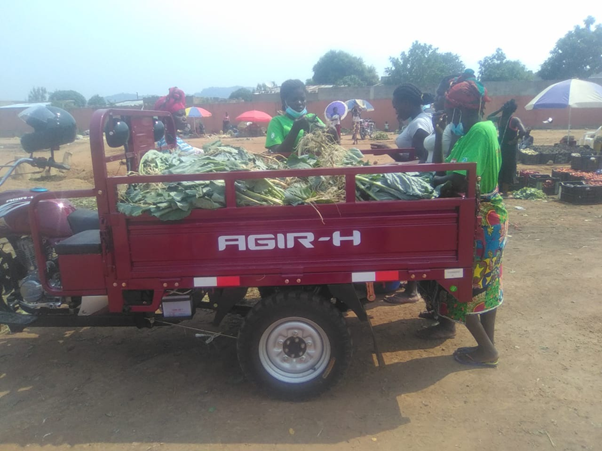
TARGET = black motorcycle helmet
(117,132)
(52,126)
(158,130)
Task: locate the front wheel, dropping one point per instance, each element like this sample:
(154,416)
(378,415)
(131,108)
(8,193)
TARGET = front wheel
(294,344)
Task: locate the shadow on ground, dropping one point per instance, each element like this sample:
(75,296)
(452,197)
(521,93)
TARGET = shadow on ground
(60,386)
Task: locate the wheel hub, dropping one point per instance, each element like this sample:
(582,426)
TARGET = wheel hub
(294,350)
(294,347)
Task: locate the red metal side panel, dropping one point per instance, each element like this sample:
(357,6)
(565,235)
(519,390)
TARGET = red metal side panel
(297,240)
(82,272)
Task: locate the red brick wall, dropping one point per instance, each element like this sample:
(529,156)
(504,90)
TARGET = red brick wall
(11,125)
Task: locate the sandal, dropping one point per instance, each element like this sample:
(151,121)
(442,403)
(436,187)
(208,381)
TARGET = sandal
(428,315)
(466,359)
(465,350)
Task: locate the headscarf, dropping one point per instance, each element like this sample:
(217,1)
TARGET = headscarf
(466,92)
(172,102)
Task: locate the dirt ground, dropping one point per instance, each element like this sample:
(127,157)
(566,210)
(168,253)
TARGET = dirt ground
(162,389)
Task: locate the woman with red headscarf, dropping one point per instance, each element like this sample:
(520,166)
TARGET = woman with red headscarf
(175,103)
(478,144)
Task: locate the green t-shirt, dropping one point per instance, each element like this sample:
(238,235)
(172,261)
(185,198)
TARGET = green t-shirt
(279,128)
(480,145)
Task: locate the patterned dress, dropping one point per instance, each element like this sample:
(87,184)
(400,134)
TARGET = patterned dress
(481,146)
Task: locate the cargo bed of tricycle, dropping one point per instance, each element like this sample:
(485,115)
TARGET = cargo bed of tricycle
(315,253)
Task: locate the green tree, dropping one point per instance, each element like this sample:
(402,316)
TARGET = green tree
(97,101)
(497,67)
(242,94)
(350,80)
(576,55)
(334,66)
(67,99)
(263,88)
(422,65)
(38,94)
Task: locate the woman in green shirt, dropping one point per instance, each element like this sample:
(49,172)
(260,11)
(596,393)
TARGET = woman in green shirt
(478,144)
(285,131)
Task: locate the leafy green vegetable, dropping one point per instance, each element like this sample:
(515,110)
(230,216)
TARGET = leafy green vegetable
(529,194)
(175,201)
(380,136)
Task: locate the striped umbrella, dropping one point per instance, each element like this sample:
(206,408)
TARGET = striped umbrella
(363,104)
(195,111)
(568,94)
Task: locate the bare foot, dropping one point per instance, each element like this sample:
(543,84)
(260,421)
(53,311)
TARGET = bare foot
(437,332)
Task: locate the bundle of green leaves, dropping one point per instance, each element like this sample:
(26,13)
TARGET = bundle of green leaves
(174,201)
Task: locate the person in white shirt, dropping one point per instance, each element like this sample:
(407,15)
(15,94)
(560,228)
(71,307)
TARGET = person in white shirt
(335,121)
(429,143)
(408,101)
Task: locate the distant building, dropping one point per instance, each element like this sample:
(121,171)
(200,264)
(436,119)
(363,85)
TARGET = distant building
(130,104)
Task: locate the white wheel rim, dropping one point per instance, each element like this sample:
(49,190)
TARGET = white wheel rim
(294,350)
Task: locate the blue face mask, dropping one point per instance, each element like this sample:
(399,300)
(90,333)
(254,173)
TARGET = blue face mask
(457,130)
(295,114)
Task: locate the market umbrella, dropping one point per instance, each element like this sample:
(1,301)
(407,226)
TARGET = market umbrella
(568,94)
(195,111)
(363,104)
(254,116)
(341,107)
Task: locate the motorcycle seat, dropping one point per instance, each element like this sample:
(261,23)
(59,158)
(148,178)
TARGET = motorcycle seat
(82,219)
(82,243)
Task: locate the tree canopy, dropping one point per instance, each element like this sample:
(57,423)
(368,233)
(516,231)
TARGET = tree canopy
(576,55)
(37,94)
(242,94)
(263,88)
(497,67)
(340,68)
(422,65)
(97,101)
(67,99)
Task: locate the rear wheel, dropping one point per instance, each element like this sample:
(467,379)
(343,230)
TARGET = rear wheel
(294,344)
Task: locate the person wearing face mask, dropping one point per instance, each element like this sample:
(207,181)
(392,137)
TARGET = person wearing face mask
(428,100)
(408,101)
(175,103)
(448,138)
(478,144)
(286,130)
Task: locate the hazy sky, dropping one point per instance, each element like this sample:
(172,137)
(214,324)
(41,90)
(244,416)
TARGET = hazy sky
(107,47)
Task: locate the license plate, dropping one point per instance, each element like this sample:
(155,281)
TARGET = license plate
(177,307)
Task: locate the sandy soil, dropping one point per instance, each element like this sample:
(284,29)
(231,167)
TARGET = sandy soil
(163,389)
